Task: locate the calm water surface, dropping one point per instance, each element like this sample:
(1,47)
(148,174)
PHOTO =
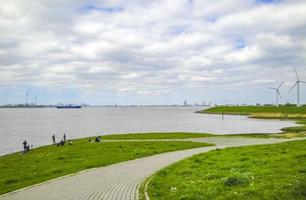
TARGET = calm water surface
(38,124)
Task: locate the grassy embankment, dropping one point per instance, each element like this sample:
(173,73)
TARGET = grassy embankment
(48,162)
(254,172)
(269,112)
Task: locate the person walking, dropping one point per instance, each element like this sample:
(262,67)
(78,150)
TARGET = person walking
(53,139)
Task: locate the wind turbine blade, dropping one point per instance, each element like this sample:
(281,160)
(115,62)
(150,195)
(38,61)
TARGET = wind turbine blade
(281,85)
(293,87)
(279,94)
(303,81)
(297,76)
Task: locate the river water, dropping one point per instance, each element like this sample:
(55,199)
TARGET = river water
(36,125)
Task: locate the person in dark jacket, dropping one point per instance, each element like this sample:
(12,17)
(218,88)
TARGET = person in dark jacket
(53,139)
(24,146)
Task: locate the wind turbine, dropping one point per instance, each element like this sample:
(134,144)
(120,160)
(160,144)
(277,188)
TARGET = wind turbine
(297,85)
(277,93)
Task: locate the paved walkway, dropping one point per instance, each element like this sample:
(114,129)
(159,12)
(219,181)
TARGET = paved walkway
(120,181)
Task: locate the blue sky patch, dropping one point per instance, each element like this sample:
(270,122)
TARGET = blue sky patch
(101,9)
(177,30)
(211,19)
(240,44)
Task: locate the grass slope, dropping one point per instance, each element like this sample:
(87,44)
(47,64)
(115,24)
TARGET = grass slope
(45,163)
(146,136)
(262,172)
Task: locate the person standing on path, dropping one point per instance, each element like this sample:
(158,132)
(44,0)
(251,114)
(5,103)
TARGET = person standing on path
(53,138)
(64,137)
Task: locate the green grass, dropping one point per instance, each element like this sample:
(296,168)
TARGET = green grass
(148,136)
(295,129)
(48,162)
(261,172)
(246,110)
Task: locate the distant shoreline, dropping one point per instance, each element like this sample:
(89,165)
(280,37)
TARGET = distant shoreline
(110,106)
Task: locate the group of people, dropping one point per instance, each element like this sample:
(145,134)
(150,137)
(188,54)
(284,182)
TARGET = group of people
(97,139)
(61,142)
(26,147)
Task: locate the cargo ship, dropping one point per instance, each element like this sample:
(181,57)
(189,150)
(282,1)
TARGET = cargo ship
(67,106)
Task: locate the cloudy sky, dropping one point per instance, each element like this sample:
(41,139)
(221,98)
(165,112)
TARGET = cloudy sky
(151,52)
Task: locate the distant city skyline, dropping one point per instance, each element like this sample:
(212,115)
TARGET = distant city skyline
(151,52)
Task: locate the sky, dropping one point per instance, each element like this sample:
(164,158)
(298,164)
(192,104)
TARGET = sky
(151,52)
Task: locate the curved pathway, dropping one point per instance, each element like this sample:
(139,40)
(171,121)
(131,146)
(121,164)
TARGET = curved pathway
(122,180)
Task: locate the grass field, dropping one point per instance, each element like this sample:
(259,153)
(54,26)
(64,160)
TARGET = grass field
(247,110)
(48,162)
(262,172)
(149,136)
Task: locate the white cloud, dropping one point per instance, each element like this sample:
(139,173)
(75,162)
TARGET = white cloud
(156,46)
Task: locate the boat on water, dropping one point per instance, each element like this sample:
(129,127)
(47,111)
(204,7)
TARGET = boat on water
(67,106)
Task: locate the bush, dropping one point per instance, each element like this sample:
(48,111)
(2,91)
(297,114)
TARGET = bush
(236,180)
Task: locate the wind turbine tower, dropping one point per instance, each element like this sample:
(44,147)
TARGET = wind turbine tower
(27,98)
(277,93)
(297,85)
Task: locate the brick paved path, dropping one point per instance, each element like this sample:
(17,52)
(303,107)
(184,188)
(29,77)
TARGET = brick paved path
(119,181)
